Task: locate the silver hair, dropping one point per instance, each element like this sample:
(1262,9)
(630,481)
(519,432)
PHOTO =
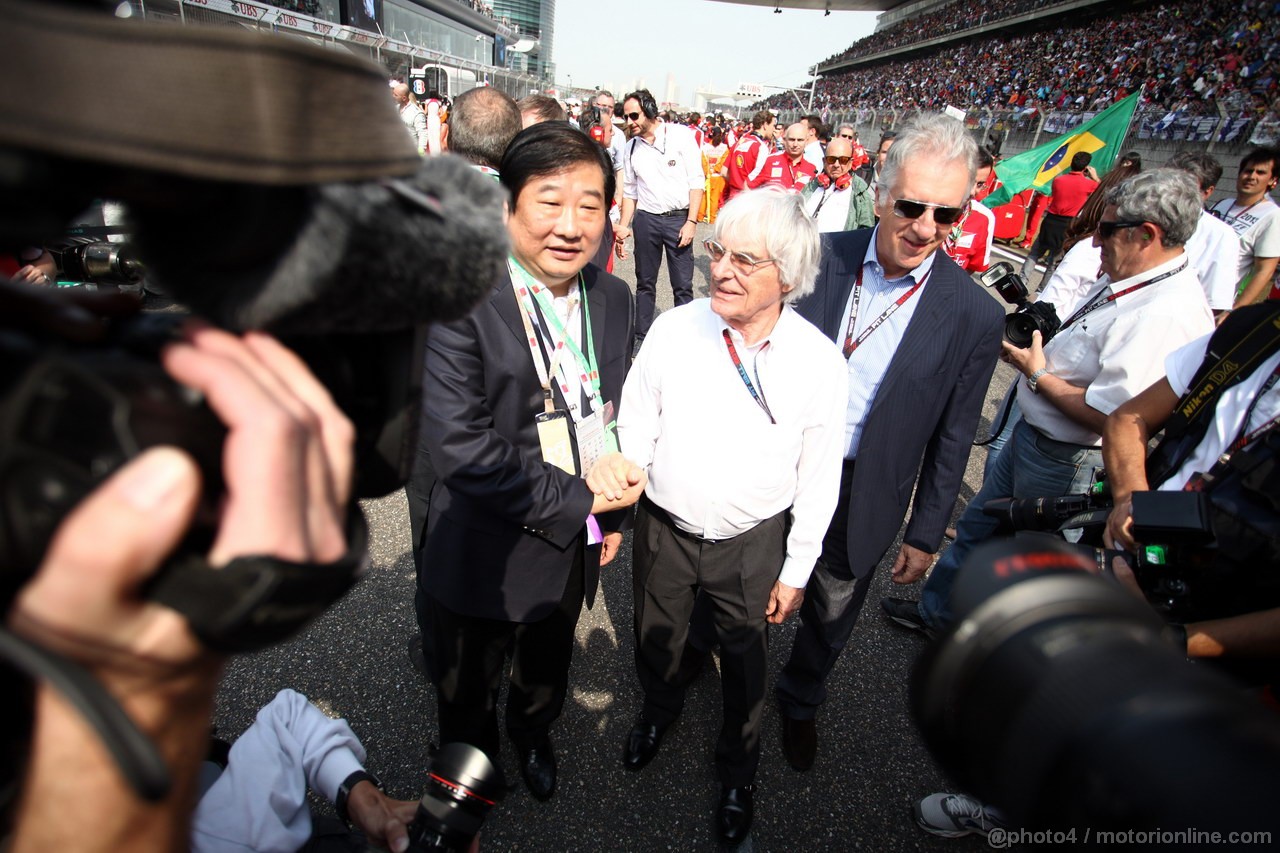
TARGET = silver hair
(775,218)
(935,137)
(1168,198)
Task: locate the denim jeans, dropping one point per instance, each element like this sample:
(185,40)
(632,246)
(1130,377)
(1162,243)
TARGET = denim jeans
(1029,466)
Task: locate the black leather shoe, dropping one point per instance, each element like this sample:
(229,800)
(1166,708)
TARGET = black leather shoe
(906,613)
(538,767)
(799,742)
(733,818)
(642,743)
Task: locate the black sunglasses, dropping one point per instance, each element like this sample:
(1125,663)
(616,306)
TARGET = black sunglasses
(1107,230)
(942,214)
(843,161)
(846,136)
(632,116)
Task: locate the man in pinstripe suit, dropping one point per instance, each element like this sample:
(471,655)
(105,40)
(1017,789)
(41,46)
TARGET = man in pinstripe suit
(921,339)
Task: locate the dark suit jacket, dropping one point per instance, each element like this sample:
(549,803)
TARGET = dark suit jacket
(502,526)
(926,410)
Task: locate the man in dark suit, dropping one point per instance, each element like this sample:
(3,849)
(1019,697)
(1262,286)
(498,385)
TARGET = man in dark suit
(921,340)
(518,400)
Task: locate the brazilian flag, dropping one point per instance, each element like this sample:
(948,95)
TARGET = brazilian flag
(1038,167)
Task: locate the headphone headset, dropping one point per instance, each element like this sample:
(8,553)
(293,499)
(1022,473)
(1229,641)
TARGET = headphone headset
(644,98)
(842,183)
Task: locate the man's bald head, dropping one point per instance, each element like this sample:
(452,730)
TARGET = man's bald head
(795,138)
(482,123)
(841,149)
(400,92)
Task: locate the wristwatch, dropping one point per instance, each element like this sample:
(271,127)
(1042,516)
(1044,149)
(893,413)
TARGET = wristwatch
(1034,379)
(344,791)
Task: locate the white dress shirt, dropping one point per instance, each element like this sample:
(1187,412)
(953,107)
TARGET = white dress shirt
(715,462)
(659,176)
(868,364)
(832,207)
(1074,276)
(1214,250)
(1118,350)
(1180,368)
(814,154)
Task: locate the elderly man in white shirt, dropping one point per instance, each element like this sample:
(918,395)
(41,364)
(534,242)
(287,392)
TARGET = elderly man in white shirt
(735,409)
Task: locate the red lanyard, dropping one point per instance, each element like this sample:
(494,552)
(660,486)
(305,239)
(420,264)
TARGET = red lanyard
(1098,303)
(850,343)
(758,396)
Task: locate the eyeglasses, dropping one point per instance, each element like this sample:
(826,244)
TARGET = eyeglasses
(632,116)
(847,136)
(742,262)
(843,161)
(1107,230)
(942,214)
(979,184)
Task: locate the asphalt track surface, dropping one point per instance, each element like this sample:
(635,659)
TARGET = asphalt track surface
(872,765)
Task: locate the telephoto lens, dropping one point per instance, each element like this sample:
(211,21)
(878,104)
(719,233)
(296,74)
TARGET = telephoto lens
(463,786)
(1058,697)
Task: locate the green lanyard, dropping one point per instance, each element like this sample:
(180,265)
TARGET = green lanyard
(530,291)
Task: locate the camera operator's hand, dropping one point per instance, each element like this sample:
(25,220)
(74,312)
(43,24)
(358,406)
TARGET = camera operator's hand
(384,820)
(287,464)
(1119,532)
(1028,360)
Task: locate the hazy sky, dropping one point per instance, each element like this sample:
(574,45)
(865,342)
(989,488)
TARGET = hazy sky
(617,43)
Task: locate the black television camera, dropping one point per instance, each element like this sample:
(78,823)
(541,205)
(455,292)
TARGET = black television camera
(462,788)
(323,227)
(1030,316)
(1175,567)
(1061,699)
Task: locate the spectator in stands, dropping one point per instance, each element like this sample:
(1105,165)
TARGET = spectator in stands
(1068,193)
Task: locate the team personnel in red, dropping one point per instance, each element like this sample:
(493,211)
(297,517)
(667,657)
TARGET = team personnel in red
(788,168)
(969,241)
(1068,194)
(746,162)
(861,159)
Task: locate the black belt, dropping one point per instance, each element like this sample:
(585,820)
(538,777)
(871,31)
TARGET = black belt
(684,211)
(665,517)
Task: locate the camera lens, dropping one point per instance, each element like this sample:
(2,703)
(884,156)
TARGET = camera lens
(462,787)
(1018,328)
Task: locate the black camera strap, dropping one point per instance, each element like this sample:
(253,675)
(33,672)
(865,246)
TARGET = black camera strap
(1245,339)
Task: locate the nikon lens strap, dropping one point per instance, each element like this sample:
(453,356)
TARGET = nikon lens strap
(1245,339)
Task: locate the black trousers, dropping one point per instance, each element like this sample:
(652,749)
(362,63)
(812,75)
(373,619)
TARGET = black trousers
(465,658)
(735,576)
(832,601)
(653,235)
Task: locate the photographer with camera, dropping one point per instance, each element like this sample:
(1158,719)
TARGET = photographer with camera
(287,464)
(1147,303)
(1219,406)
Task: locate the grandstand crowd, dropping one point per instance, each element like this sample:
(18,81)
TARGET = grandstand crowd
(1194,58)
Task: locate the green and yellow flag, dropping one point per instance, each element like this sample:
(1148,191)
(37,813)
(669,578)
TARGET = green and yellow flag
(1038,167)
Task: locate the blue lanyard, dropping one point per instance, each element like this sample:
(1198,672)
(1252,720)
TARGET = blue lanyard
(758,396)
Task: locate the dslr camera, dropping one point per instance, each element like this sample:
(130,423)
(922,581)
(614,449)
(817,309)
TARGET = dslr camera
(1030,316)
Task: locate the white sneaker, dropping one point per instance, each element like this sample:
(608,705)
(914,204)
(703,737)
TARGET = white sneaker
(954,815)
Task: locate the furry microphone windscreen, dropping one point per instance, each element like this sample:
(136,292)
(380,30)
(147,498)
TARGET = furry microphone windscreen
(355,257)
